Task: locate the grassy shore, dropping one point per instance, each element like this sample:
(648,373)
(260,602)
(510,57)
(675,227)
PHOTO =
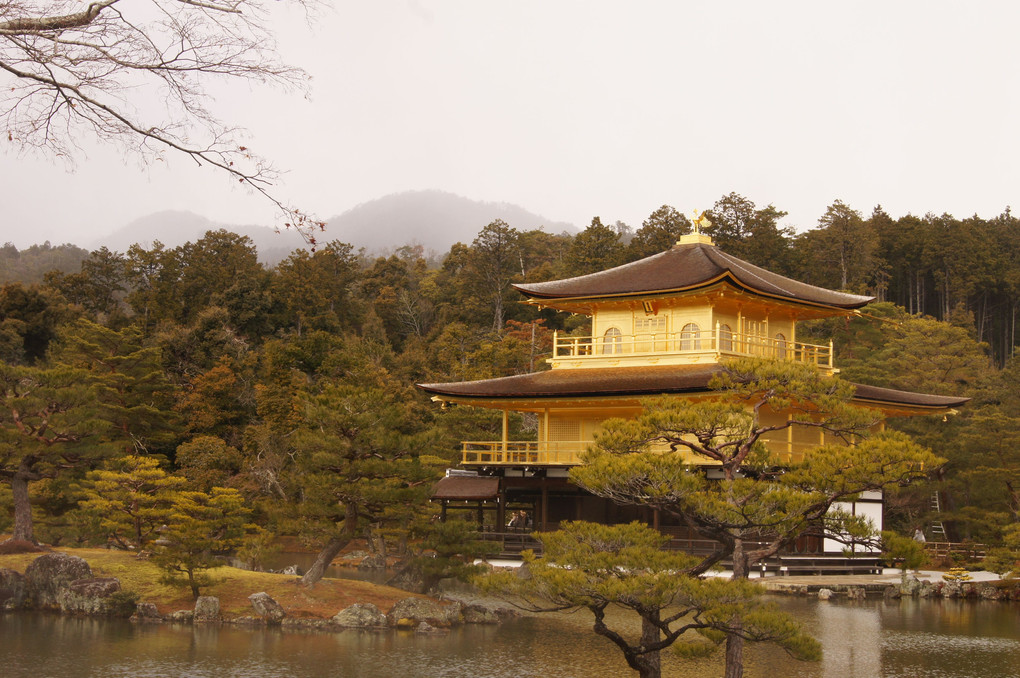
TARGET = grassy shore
(231,585)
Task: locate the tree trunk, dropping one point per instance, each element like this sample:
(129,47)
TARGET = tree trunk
(497,314)
(651,663)
(332,548)
(734,641)
(734,653)
(192,583)
(22,508)
(326,556)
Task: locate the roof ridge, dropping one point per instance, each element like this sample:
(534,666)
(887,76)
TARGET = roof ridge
(738,264)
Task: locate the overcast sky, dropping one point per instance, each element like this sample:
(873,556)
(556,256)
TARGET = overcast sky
(583,108)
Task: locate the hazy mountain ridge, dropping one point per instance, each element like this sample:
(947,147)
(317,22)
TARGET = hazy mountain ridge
(434,219)
(174,228)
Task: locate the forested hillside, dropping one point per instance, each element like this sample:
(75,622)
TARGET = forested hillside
(293,386)
(31,264)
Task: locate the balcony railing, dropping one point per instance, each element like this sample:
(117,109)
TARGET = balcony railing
(713,342)
(568,452)
(525,452)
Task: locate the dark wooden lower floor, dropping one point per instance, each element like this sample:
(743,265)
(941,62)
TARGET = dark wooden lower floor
(511,510)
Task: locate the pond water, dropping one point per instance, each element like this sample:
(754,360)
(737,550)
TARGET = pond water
(909,638)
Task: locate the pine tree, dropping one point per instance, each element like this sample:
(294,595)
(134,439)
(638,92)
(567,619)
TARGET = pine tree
(131,499)
(49,425)
(359,456)
(199,525)
(590,566)
(759,505)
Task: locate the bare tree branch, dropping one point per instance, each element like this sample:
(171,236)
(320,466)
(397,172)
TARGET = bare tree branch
(136,74)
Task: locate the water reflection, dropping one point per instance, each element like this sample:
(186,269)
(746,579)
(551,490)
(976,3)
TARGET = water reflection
(852,637)
(910,638)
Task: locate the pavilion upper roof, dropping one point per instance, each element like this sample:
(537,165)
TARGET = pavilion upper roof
(687,266)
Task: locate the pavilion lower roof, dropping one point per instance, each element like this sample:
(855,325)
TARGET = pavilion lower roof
(684,268)
(466,488)
(643,382)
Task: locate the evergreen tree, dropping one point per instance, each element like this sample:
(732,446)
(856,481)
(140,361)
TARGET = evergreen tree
(130,500)
(199,526)
(759,505)
(359,456)
(29,318)
(841,252)
(48,426)
(596,248)
(741,229)
(593,567)
(447,549)
(132,393)
(495,258)
(660,231)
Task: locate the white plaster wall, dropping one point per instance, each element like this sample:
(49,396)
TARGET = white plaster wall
(870,509)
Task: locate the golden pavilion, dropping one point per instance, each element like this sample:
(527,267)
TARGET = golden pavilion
(659,326)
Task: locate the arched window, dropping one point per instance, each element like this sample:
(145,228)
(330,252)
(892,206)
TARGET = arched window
(690,337)
(725,338)
(612,341)
(781,346)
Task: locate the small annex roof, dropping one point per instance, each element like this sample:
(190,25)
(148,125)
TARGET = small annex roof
(684,267)
(639,382)
(467,488)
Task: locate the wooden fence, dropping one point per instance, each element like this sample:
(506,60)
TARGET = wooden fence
(943,550)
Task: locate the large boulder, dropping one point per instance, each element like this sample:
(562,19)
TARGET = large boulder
(207,609)
(410,612)
(146,612)
(48,574)
(266,607)
(12,589)
(427,629)
(361,616)
(855,593)
(911,586)
(181,616)
(92,596)
(989,592)
(952,589)
(454,613)
(482,614)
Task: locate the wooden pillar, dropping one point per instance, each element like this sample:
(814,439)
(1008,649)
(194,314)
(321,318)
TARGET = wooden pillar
(481,513)
(740,331)
(505,456)
(655,519)
(442,510)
